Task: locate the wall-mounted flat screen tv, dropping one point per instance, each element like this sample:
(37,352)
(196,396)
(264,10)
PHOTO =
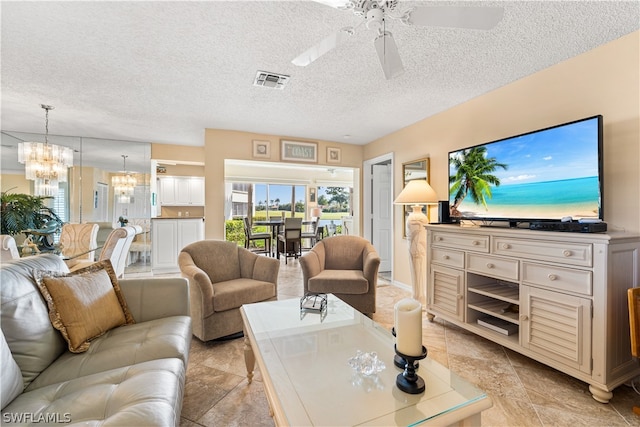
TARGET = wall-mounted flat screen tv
(544,175)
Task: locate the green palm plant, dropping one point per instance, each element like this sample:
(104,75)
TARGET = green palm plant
(20,212)
(473,176)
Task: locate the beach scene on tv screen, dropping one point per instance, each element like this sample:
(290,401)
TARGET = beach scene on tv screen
(549,174)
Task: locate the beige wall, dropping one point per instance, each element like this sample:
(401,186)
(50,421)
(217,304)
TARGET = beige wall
(603,81)
(15,183)
(226,144)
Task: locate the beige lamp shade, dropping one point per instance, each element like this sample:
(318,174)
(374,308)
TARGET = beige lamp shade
(416,192)
(316,212)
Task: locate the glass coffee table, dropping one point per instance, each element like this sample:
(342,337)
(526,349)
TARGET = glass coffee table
(303,358)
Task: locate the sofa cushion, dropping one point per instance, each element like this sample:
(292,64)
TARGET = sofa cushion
(233,293)
(84,304)
(24,317)
(11,383)
(339,282)
(145,394)
(168,337)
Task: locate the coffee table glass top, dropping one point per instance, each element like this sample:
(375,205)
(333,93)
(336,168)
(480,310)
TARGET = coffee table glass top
(304,357)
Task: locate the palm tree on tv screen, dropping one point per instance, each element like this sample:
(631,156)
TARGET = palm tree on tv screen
(473,176)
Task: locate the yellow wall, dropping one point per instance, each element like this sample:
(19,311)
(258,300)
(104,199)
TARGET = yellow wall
(603,81)
(15,183)
(226,144)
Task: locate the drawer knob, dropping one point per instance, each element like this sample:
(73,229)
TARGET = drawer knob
(567,253)
(489,265)
(524,317)
(439,239)
(459,296)
(553,277)
(475,243)
(506,246)
(445,256)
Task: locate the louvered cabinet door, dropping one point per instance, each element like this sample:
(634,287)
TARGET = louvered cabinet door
(445,292)
(556,326)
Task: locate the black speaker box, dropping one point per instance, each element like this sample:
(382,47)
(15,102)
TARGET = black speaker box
(443,212)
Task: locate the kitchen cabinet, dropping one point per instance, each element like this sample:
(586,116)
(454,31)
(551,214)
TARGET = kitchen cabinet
(181,191)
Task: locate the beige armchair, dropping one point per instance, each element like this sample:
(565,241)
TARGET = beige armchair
(346,266)
(223,277)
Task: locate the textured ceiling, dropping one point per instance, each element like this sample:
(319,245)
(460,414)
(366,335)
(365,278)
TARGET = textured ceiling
(165,71)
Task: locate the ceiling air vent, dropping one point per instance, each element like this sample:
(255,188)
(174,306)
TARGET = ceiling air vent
(272,80)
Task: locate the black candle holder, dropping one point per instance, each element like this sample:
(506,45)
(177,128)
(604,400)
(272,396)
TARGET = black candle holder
(408,381)
(398,360)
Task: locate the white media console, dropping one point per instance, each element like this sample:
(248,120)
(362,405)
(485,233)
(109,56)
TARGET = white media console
(565,292)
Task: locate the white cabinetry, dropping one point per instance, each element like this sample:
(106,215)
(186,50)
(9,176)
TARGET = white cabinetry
(181,191)
(564,292)
(168,237)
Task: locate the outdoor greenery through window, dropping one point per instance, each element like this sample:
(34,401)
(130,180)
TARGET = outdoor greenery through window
(263,200)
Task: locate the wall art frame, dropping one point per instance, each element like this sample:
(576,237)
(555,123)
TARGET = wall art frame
(299,151)
(334,155)
(261,149)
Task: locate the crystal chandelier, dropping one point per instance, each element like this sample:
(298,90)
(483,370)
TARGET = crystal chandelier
(124,185)
(46,164)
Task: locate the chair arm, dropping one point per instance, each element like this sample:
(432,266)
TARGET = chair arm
(370,265)
(200,286)
(150,299)
(266,269)
(311,267)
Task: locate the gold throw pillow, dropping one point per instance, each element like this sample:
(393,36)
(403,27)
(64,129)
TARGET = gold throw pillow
(84,304)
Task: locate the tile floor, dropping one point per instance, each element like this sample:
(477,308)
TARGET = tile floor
(524,392)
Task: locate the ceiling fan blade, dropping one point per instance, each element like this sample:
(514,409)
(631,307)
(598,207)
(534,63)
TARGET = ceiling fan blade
(478,18)
(338,4)
(327,44)
(388,55)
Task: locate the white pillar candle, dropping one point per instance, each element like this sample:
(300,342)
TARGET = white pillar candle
(408,319)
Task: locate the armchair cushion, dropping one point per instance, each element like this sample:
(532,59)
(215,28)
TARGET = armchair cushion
(339,281)
(233,293)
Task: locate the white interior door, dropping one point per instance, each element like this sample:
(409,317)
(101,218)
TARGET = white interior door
(381,214)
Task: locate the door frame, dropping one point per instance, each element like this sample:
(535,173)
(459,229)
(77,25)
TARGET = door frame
(367,201)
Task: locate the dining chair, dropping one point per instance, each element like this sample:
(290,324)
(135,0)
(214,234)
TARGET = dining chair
(311,232)
(115,249)
(251,236)
(9,249)
(290,240)
(79,242)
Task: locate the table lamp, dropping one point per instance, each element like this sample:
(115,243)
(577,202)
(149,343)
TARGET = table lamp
(416,193)
(316,212)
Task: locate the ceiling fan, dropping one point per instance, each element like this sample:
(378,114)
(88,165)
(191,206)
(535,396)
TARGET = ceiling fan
(375,15)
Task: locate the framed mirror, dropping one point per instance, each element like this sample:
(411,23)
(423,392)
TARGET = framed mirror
(416,169)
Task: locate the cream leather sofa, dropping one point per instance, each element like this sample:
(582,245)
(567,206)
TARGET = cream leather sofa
(132,375)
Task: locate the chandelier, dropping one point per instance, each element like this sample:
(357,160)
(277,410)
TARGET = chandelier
(46,164)
(123,185)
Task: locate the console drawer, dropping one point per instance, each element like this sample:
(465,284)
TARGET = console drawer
(558,278)
(544,250)
(478,243)
(492,266)
(447,257)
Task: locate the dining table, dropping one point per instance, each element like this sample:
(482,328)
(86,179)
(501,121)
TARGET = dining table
(275,225)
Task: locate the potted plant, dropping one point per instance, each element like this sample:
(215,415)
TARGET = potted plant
(20,212)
